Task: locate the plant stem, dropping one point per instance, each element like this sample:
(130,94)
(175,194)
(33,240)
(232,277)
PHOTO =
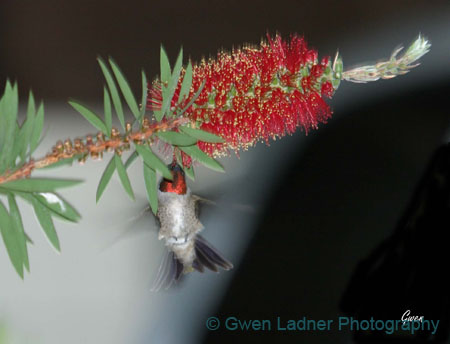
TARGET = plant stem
(83,148)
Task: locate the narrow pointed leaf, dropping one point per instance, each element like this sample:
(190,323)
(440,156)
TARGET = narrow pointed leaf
(165,66)
(90,116)
(107,110)
(58,206)
(144,96)
(202,135)
(195,153)
(23,139)
(193,99)
(177,139)
(153,161)
(11,240)
(8,119)
(39,184)
(125,88)
(123,176)
(46,222)
(187,83)
(31,107)
(158,115)
(150,186)
(189,172)
(178,156)
(29,241)
(131,159)
(27,128)
(106,177)
(17,146)
(172,85)
(38,124)
(16,219)
(3,117)
(113,90)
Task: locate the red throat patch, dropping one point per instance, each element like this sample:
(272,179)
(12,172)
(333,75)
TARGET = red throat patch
(178,185)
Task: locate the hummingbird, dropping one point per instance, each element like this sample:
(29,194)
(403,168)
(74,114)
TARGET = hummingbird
(187,250)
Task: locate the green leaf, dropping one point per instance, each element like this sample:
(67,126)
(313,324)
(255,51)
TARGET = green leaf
(165,66)
(202,135)
(177,139)
(150,186)
(90,116)
(158,115)
(38,184)
(31,107)
(187,83)
(125,88)
(197,154)
(27,128)
(46,222)
(123,176)
(106,177)
(189,172)
(38,124)
(194,98)
(131,159)
(153,161)
(24,135)
(178,156)
(11,239)
(58,206)
(16,147)
(16,220)
(107,110)
(113,90)
(8,119)
(29,241)
(170,90)
(144,96)
(21,140)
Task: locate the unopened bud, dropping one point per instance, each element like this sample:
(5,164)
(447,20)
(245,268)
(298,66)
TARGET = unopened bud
(89,141)
(100,137)
(59,146)
(114,133)
(68,146)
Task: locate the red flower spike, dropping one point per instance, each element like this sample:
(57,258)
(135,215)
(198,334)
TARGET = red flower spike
(256,94)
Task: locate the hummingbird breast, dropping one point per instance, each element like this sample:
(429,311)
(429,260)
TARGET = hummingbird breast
(179,224)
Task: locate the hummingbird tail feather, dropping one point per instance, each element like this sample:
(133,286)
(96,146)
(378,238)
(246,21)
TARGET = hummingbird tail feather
(169,272)
(207,256)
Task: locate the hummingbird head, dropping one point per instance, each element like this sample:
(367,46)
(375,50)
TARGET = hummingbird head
(178,184)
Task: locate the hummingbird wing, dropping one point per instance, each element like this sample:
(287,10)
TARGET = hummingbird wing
(202,204)
(207,256)
(133,227)
(169,272)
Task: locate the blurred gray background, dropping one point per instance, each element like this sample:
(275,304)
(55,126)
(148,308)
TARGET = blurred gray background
(354,175)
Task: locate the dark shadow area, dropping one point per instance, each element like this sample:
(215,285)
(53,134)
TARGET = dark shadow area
(409,270)
(51,46)
(340,198)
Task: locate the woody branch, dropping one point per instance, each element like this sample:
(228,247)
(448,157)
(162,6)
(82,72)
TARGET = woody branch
(95,148)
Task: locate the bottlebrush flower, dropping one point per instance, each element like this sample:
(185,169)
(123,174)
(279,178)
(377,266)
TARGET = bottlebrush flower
(257,93)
